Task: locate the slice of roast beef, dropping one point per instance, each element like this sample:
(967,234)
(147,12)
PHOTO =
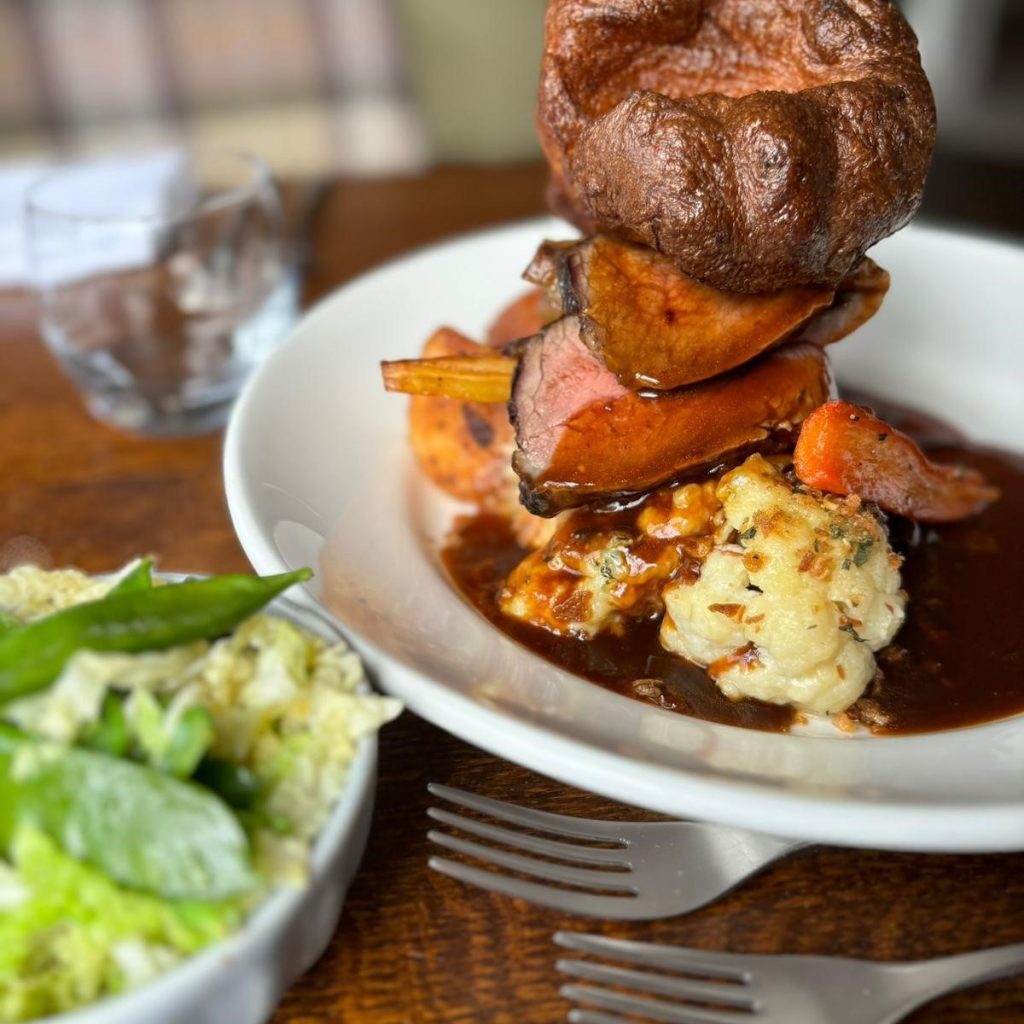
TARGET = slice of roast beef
(557,376)
(655,327)
(583,438)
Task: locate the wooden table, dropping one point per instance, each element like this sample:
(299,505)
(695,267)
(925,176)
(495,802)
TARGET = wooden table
(414,947)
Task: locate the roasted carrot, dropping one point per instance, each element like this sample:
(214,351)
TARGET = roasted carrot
(844,449)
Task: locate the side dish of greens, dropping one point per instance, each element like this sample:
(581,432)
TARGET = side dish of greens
(168,755)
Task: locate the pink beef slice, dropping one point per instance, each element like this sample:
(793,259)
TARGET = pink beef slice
(582,438)
(557,377)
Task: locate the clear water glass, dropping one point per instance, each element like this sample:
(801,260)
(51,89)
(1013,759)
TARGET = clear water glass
(163,280)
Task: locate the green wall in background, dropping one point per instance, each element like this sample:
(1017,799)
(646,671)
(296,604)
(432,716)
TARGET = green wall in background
(473,67)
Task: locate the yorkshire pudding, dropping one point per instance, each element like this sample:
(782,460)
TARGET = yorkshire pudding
(759,144)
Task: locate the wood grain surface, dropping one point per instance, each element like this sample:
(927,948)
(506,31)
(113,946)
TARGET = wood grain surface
(413,946)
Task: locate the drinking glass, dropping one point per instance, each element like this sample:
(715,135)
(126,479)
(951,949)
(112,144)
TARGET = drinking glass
(163,280)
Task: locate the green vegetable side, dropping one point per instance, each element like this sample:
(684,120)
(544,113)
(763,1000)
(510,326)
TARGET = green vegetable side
(167,756)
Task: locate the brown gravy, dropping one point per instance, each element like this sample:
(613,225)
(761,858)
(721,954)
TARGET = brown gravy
(957,661)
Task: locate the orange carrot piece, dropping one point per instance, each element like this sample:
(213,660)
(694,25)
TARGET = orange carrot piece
(844,449)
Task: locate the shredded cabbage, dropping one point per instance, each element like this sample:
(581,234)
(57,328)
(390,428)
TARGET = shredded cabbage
(75,936)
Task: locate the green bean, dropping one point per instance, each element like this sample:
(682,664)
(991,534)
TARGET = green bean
(145,620)
(144,830)
(193,733)
(109,733)
(8,623)
(178,755)
(139,578)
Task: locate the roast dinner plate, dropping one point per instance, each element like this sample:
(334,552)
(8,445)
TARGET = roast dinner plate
(319,472)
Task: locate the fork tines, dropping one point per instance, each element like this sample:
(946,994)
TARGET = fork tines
(575,874)
(701,989)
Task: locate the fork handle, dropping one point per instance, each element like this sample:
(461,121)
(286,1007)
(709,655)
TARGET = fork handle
(973,968)
(727,856)
(934,978)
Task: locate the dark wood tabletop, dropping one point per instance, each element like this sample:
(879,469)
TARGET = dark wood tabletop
(414,947)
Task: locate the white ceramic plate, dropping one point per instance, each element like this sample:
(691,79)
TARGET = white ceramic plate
(318,472)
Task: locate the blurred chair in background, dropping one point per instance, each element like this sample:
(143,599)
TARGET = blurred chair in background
(474,68)
(314,87)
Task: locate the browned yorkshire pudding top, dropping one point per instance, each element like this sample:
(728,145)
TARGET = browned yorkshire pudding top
(758,144)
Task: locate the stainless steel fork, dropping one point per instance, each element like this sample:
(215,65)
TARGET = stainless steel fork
(642,872)
(697,987)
